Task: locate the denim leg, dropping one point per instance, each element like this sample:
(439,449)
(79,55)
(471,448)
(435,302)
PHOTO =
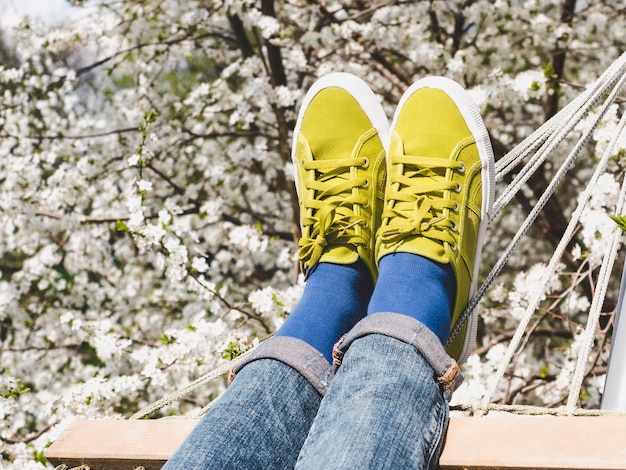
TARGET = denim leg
(260,422)
(384,409)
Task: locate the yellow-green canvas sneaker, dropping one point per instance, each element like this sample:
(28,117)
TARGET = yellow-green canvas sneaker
(338,156)
(440,189)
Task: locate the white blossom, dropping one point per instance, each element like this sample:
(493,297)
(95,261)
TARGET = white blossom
(528,82)
(144,185)
(248,237)
(263,300)
(133,160)
(200,264)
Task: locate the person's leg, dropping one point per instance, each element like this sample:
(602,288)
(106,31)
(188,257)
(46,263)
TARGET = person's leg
(260,422)
(334,299)
(387,404)
(384,409)
(339,162)
(263,418)
(432,299)
(438,200)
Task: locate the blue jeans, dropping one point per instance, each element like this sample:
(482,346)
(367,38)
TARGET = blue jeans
(386,407)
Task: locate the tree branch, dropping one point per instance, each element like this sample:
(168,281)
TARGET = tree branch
(72,137)
(240,34)
(25,440)
(279,78)
(171,42)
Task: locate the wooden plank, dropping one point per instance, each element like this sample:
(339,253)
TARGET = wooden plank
(119,444)
(509,442)
(523,442)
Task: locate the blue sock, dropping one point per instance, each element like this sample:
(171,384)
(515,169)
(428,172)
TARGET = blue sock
(335,298)
(417,287)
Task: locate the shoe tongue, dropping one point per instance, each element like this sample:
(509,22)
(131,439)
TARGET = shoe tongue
(340,255)
(334,126)
(427,248)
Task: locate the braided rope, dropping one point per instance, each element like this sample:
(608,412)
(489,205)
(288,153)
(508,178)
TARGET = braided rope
(619,72)
(585,100)
(534,301)
(528,410)
(178,394)
(602,284)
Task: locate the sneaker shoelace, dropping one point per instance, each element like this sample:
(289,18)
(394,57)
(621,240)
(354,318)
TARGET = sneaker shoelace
(332,218)
(418,187)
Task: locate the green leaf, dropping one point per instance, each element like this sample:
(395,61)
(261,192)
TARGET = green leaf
(150,116)
(167,339)
(14,393)
(548,71)
(232,351)
(620,220)
(39,457)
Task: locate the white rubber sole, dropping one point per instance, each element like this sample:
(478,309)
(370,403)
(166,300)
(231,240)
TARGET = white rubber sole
(471,115)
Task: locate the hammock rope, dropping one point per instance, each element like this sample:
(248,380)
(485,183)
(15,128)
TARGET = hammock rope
(552,266)
(184,391)
(529,410)
(581,104)
(602,282)
(535,149)
(616,72)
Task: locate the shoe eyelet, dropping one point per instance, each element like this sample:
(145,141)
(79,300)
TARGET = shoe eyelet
(367,183)
(454,227)
(458,188)
(461,170)
(366,163)
(453,246)
(456,206)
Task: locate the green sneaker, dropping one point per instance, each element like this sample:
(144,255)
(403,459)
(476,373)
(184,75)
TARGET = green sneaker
(338,156)
(440,189)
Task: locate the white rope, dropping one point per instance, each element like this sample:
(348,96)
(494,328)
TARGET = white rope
(65,467)
(178,394)
(528,410)
(560,249)
(555,131)
(585,100)
(86,467)
(537,146)
(556,180)
(602,285)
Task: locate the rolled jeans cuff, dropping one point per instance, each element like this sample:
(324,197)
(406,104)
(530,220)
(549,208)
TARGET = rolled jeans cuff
(410,331)
(300,356)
